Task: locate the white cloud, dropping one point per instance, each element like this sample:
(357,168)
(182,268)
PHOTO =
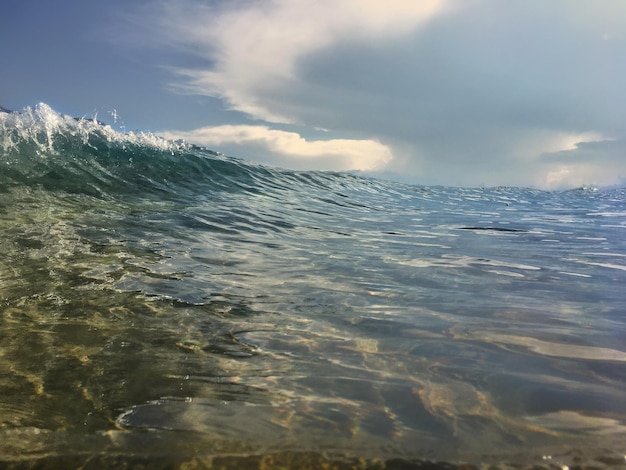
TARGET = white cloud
(598,162)
(462,92)
(570,141)
(561,176)
(278,145)
(256,46)
(568,171)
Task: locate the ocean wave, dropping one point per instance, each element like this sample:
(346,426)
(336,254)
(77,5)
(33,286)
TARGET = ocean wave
(155,288)
(42,147)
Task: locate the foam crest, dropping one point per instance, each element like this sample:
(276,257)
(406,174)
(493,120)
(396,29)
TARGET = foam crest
(49,131)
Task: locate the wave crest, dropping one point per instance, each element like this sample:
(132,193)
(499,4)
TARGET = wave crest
(49,132)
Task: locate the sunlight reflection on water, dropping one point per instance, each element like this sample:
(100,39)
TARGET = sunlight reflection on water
(317,314)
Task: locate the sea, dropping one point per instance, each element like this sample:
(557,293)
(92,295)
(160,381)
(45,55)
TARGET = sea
(163,305)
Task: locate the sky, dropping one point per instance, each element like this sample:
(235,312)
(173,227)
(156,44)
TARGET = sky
(452,92)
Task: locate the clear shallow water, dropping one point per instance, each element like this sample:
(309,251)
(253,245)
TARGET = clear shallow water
(162,303)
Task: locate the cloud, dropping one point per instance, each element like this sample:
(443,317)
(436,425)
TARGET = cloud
(587,163)
(459,92)
(277,146)
(255,46)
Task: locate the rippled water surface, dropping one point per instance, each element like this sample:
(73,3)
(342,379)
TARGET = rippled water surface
(164,304)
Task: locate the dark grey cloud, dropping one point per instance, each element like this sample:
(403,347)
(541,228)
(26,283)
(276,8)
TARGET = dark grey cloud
(604,152)
(482,89)
(475,95)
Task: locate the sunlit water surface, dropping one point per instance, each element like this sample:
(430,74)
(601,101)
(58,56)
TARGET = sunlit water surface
(163,304)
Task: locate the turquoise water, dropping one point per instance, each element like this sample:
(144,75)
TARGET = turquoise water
(164,304)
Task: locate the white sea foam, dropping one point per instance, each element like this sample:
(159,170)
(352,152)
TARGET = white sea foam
(43,126)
